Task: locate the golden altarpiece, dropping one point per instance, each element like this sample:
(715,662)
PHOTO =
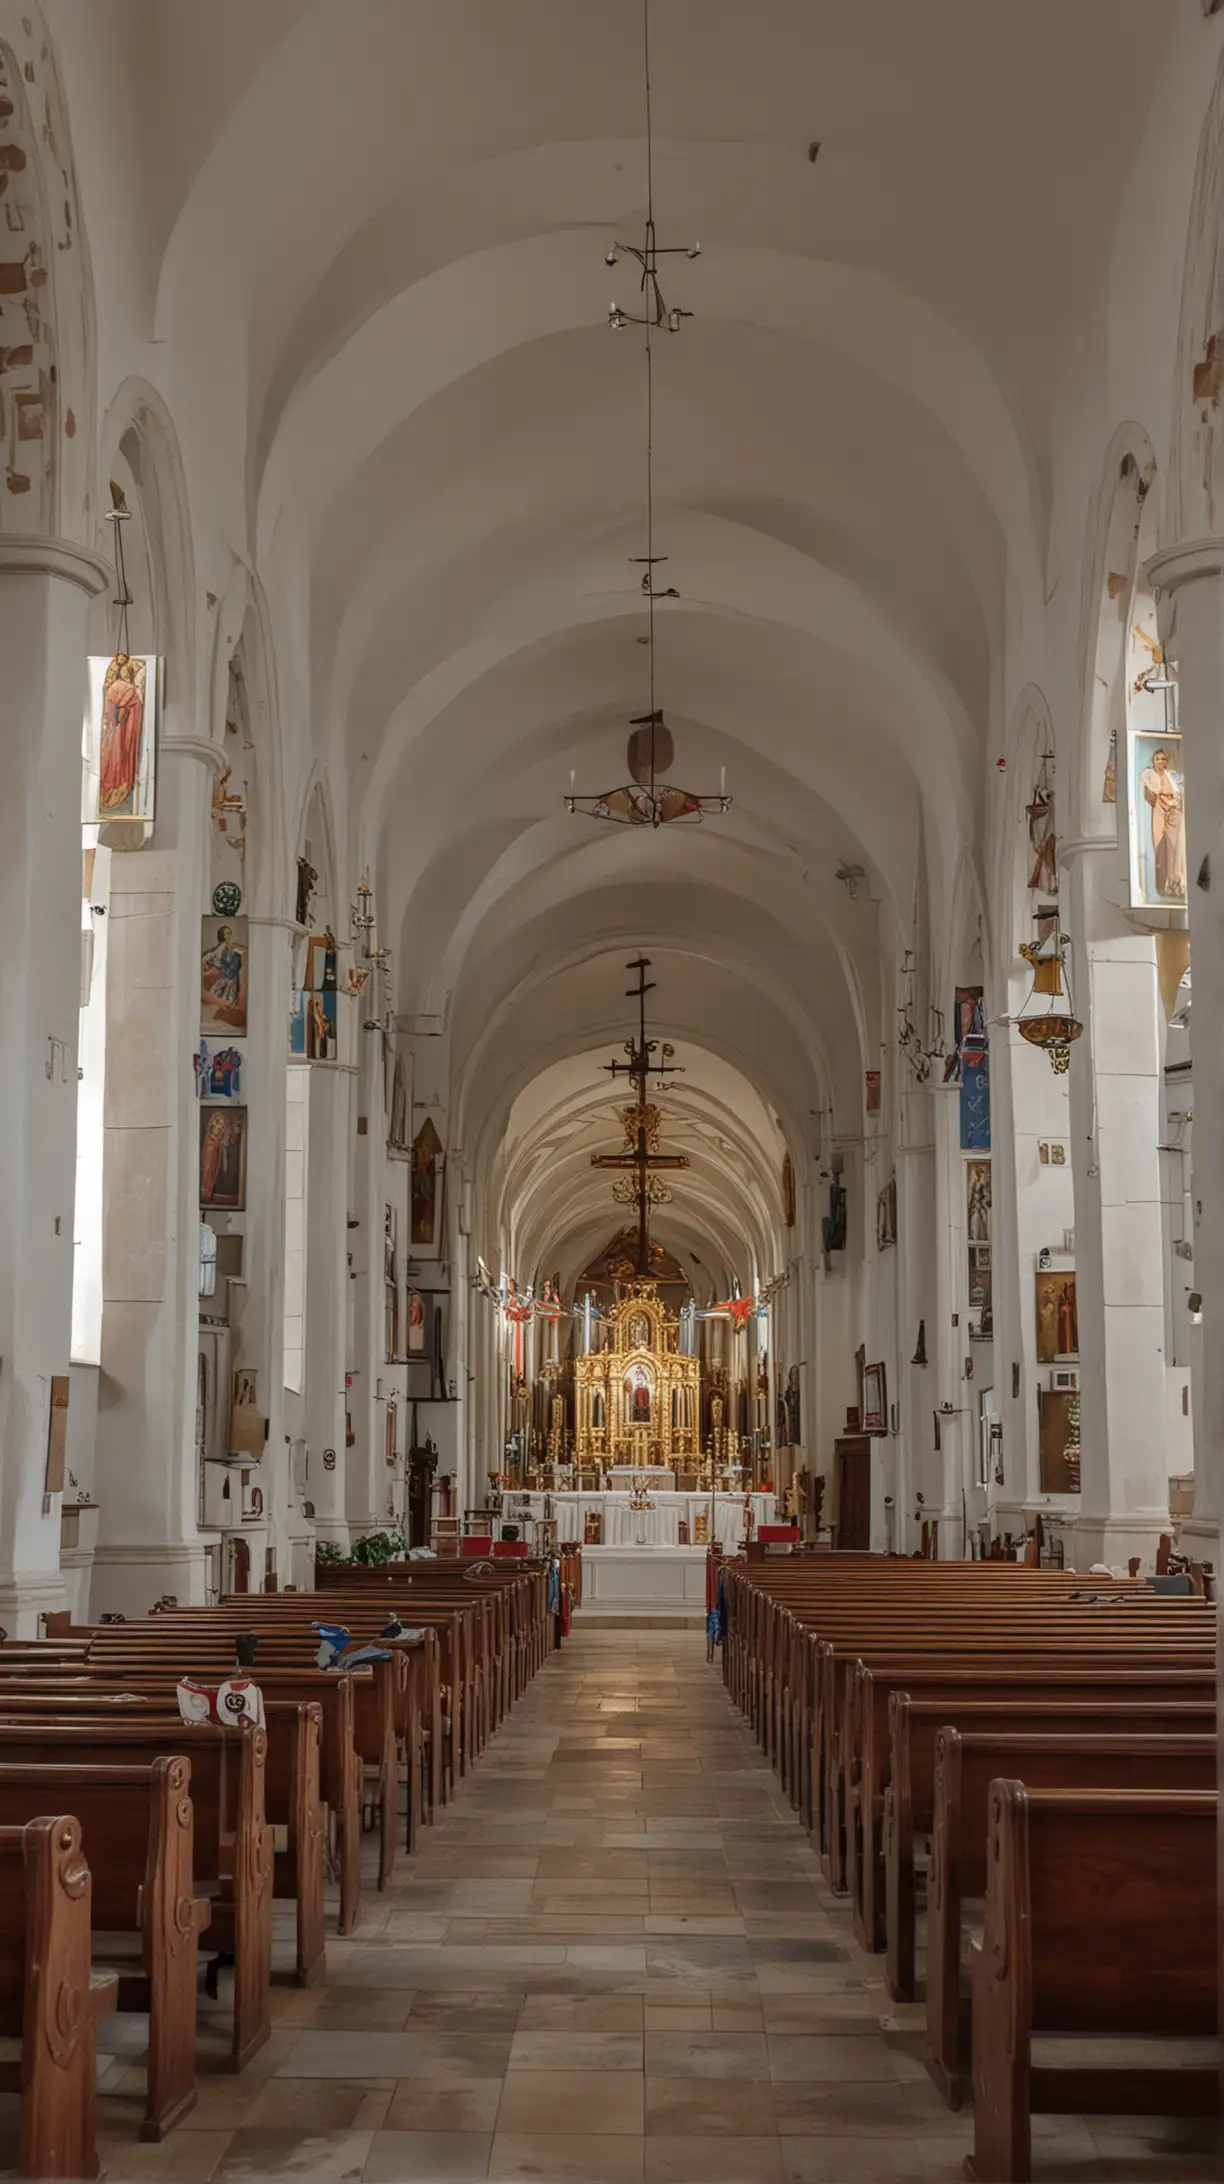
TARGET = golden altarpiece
(638,1398)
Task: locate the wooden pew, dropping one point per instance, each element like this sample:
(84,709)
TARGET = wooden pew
(51,2000)
(417,1688)
(783,1615)
(965,1768)
(765,1600)
(160,1649)
(232,1845)
(1056,1634)
(1101,1920)
(910,1797)
(136,1831)
(291,1783)
(1097,1678)
(1065,1641)
(145,1677)
(389,1697)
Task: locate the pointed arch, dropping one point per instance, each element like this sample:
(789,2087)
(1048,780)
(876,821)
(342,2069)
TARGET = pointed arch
(1122,533)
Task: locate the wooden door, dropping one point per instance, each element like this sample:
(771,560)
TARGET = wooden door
(854,1492)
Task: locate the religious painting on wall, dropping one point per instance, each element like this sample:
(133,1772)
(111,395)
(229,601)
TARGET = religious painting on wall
(397,1124)
(1057,1318)
(224,961)
(218,1073)
(416,1324)
(791,1404)
(223,1144)
(871,1090)
(1058,1444)
(1043,875)
(975,1104)
(638,1396)
(886,1215)
(307,879)
(788,1190)
(390,1283)
(121,740)
(427,1159)
(312,1026)
(977,1234)
(969,1066)
(321,963)
(969,1020)
(875,1399)
(1156,804)
(833,1226)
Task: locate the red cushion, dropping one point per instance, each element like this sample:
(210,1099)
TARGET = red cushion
(510,1547)
(476,1543)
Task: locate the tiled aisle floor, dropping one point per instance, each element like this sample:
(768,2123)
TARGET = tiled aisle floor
(613,1963)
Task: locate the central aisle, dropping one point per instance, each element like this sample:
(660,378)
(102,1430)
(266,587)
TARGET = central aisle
(614,1963)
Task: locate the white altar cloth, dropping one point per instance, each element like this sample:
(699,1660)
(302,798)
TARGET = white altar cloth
(623,1476)
(656,1527)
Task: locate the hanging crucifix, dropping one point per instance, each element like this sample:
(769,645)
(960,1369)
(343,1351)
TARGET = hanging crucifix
(641,1159)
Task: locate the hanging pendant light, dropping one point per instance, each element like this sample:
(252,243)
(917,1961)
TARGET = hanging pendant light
(1047,1019)
(648,798)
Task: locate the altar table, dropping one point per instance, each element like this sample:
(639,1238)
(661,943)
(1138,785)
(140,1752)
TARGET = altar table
(655,1527)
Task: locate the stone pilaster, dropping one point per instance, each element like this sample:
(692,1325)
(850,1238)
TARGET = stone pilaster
(146,1469)
(45,588)
(1189,580)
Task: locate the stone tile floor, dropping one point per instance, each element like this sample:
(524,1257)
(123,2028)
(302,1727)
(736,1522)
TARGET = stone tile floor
(613,1962)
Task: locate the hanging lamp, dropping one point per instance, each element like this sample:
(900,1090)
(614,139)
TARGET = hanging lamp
(648,798)
(1047,1019)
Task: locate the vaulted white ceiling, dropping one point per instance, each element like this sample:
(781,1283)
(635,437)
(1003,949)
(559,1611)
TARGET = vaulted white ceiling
(373,240)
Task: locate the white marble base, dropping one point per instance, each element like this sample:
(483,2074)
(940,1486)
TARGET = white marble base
(1114,1539)
(128,1579)
(645,1580)
(27,1597)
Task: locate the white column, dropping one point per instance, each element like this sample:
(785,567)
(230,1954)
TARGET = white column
(365,1473)
(146,1478)
(1014,1168)
(1034,1204)
(45,587)
(327,1293)
(917,1385)
(1119,1243)
(257,1305)
(948,1343)
(1192,577)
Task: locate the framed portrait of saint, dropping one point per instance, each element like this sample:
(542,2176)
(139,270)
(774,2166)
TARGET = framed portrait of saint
(427,1157)
(1058,1440)
(321,963)
(224,967)
(1156,811)
(223,1149)
(416,1324)
(1057,1317)
(788,1190)
(120,744)
(875,1399)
